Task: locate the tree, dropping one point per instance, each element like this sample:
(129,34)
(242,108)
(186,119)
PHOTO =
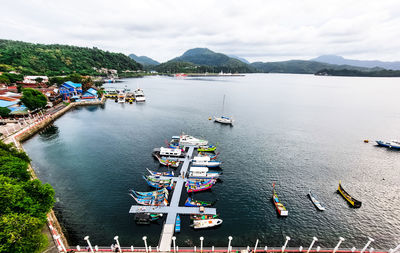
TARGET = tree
(33,99)
(76,78)
(4,79)
(19,88)
(39,80)
(4,111)
(13,167)
(86,84)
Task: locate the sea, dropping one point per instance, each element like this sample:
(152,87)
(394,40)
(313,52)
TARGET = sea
(301,132)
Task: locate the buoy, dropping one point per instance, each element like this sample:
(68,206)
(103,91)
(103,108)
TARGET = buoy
(366,141)
(209,118)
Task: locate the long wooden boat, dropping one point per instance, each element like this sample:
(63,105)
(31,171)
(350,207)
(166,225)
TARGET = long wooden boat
(157,197)
(158,185)
(212,157)
(164,174)
(166,161)
(316,202)
(210,148)
(151,202)
(152,193)
(197,224)
(199,187)
(178,224)
(193,202)
(280,208)
(203,216)
(352,201)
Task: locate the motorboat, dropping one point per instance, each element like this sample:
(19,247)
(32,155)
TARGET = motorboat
(188,140)
(205,161)
(139,95)
(198,224)
(202,173)
(389,144)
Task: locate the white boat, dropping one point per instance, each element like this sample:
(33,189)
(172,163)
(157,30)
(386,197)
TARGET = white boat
(197,224)
(316,202)
(170,152)
(187,140)
(202,173)
(121,96)
(139,95)
(223,119)
(205,161)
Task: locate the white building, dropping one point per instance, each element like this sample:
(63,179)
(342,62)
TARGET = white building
(32,79)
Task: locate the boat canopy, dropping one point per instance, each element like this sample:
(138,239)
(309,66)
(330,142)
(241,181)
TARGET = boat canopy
(201,158)
(199,169)
(170,151)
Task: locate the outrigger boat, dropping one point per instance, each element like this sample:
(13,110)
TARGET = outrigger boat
(168,185)
(316,202)
(192,202)
(162,201)
(165,174)
(149,197)
(203,216)
(280,208)
(178,224)
(389,144)
(147,218)
(210,148)
(197,224)
(353,202)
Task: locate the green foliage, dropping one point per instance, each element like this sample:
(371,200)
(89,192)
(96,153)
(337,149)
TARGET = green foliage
(52,60)
(39,80)
(24,203)
(4,79)
(13,77)
(6,68)
(58,80)
(4,111)
(76,78)
(33,99)
(20,232)
(352,72)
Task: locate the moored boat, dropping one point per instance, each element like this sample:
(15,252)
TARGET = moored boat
(389,144)
(280,208)
(178,224)
(352,201)
(212,156)
(192,202)
(224,119)
(316,202)
(187,140)
(198,224)
(139,95)
(165,161)
(165,174)
(203,216)
(202,173)
(199,186)
(205,148)
(147,218)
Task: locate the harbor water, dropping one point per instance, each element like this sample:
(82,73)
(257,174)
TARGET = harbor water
(300,131)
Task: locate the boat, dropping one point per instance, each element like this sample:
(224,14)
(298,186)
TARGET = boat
(212,156)
(192,202)
(202,173)
(152,193)
(316,202)
(174,152)
(201,161)
(224,119)
(280,208)
(166,161)
(203,216)
(165,174)
(139,95)
(199,186)
(178,224)
(121,96)
(210,148)
(352,201)
(151,202)
(389,144)
(167,184)
(158,179)
(198,224)
(187,140)
(158,196)
(147,218)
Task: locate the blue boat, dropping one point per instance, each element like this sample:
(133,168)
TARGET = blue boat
(389,144)
(178,224)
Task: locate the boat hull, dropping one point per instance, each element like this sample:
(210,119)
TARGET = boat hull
(352,201)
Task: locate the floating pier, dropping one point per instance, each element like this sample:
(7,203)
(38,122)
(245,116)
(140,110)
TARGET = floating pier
(173,209)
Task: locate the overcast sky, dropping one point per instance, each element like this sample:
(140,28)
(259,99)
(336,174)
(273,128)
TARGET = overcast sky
(256,30)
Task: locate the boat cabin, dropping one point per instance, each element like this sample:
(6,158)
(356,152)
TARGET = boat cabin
(170,151)
(198,172)
(201,159)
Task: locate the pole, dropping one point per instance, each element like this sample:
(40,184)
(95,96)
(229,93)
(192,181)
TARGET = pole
(201,244)
(353,249)
(255,247)
(119,246)
(300,248)
(88,242)
(229,243)
(366,245)
(284,246)
(173,240)
(341,239)
(265,248)
(315,239)
(145,242)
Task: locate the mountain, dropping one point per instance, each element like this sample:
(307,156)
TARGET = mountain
(371,73)
(40,59)
(144,60)
(298,67)
(335,59)
(239,58)
(215,61)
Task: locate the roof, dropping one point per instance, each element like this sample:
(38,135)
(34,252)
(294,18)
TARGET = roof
(5,103)
(198,169)
(92,91)
(72,84)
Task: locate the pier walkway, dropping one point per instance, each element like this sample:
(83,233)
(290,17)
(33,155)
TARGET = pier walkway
(173,209)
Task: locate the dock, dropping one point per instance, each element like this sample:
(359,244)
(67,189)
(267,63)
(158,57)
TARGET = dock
(173,209)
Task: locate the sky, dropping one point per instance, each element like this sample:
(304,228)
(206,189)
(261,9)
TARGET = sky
(256,30)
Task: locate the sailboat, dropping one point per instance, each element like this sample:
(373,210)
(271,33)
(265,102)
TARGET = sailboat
(224,119)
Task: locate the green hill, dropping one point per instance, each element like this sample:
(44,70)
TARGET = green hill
(144,60)
(57,59)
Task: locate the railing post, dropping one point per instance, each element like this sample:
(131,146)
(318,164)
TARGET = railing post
(300,248)
(212,248)
(145,242)
(255,247)
(201,244)
(229,243)
(265,248)
(173,240)
(96,248)
(366,245)
(132,248)
(315,239)
(194,248)
(353,249)
(149,248)
(119,246)
(88,242)
(341,239)
(78,248)
(284,246)
(318,248)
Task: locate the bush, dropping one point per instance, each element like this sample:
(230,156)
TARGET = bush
(33,99)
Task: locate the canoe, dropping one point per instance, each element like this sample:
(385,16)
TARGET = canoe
(198,224)
(280,208)
(316,202)
(352,201)
(192,202)
(165,174)
(178,224)
(203,216)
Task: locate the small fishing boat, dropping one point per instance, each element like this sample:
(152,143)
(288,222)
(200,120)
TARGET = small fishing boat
(202,173)
(139,95)
(187,140)
(159,196)
(280,208)
(199,186)
(168,185)
(212,157)
(192,202)
(209,148)
(352,201)
(198,224)
(165,174)
(151,202)
(159,179)
(178,224)
(147,218)
(203,216)
(152,193)
(165,161)
(224,119)
(316,202)
(389,144)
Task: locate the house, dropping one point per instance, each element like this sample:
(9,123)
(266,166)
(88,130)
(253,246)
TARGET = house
(90,94)
(70,90)
(13,104)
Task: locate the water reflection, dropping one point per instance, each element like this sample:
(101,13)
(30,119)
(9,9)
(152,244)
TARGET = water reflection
(49,133)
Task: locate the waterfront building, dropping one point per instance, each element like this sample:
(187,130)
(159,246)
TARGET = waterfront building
(70,90)
(13,104)
(90,94)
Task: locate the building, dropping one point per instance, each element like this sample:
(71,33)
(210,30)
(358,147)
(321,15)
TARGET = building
(90,94)
(32,79)
(13,104)
(70,90)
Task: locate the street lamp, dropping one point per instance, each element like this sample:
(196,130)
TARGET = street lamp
(341,239)
(145,242)
(284,246)
(201,244)
(315,239)
(229,243)
(119,246)
(88,242)
(173,240)
(366,245)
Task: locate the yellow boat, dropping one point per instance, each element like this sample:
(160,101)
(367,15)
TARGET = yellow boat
(353,202)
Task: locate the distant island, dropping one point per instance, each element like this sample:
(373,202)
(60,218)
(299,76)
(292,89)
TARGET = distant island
(353,72)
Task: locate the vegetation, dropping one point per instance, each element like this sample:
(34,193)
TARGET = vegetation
(33,99)
(352,72)
(8,78)
(24,203)
(4,111)
(52,60)
(144,60)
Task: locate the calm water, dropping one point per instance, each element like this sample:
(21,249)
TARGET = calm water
(301,131)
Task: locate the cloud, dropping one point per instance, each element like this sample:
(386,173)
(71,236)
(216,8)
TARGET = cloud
(255,29)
